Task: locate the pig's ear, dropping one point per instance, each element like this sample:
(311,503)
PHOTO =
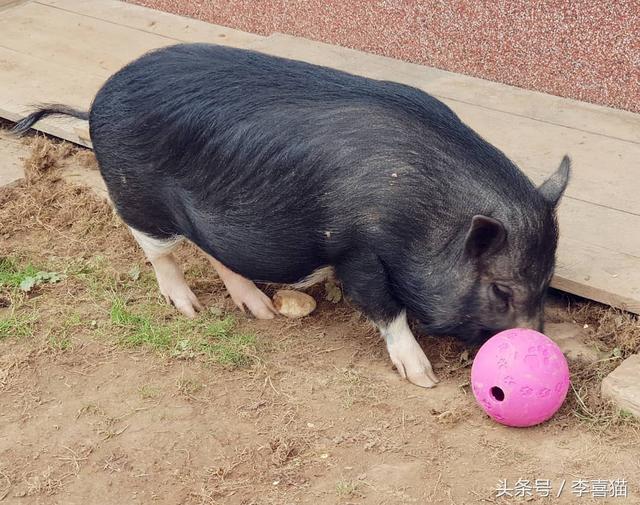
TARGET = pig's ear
(553,188)
(485,235)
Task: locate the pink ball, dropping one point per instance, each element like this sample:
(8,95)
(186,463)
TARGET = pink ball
(520,377)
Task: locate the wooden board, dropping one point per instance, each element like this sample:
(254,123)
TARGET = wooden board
(177,28)
(5,4)
(63,50)
(23,84)
(460,88)
(50,53)
(12,155)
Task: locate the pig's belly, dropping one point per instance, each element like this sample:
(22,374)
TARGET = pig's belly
(263,249)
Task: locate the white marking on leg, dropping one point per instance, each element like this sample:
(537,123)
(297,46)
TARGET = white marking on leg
(244,292)
(171,281)
(154,247)
(406,354)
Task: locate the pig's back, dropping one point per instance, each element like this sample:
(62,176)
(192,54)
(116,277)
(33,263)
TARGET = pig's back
(254,157)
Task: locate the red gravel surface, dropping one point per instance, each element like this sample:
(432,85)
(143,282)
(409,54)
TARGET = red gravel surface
(583,49)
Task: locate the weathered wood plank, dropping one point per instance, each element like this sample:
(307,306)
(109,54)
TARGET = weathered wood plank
(26,81)
(156,22)
(461,88)
(73,41)
(599,274)
(49,53)
(12,154)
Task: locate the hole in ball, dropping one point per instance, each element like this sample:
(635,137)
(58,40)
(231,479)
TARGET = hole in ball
(497,393)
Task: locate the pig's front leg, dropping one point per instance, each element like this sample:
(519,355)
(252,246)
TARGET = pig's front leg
(405,352)
(366,283)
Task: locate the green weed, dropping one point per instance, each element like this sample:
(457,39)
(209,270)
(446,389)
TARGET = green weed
(17,325)
(24,278)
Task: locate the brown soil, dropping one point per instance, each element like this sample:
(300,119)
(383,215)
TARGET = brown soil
(317,416)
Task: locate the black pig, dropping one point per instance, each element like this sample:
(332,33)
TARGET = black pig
(279,170)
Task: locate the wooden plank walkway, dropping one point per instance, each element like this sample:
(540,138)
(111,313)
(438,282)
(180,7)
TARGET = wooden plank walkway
(62,51)
(12,155)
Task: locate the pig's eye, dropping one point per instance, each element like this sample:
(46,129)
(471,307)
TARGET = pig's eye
(502,292)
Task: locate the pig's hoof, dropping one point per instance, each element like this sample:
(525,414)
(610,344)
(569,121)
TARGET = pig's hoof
(425,380)
(245,294)
(184,300)
(416,368)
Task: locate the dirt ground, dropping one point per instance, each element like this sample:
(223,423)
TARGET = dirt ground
(108,395)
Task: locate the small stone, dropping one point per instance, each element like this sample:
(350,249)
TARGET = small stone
(622,386)
(293,304)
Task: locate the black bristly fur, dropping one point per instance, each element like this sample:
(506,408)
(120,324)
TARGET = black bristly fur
(277,167)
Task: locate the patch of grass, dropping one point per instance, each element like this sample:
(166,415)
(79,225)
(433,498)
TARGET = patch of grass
(73,320)
(614,331)
(95,274)
(597,413)
(585,402)
(227,346)
(188,387)
(17,325)
(347,488)
(11,275)
(104,281)
(59,342)
(211,334)
(60,337)
(140,329)
(615,334)
(26,277)
(148,392)
(357,388)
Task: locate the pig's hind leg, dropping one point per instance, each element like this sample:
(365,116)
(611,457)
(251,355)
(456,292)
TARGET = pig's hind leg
(367,284)
(244,293)
(171,281)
